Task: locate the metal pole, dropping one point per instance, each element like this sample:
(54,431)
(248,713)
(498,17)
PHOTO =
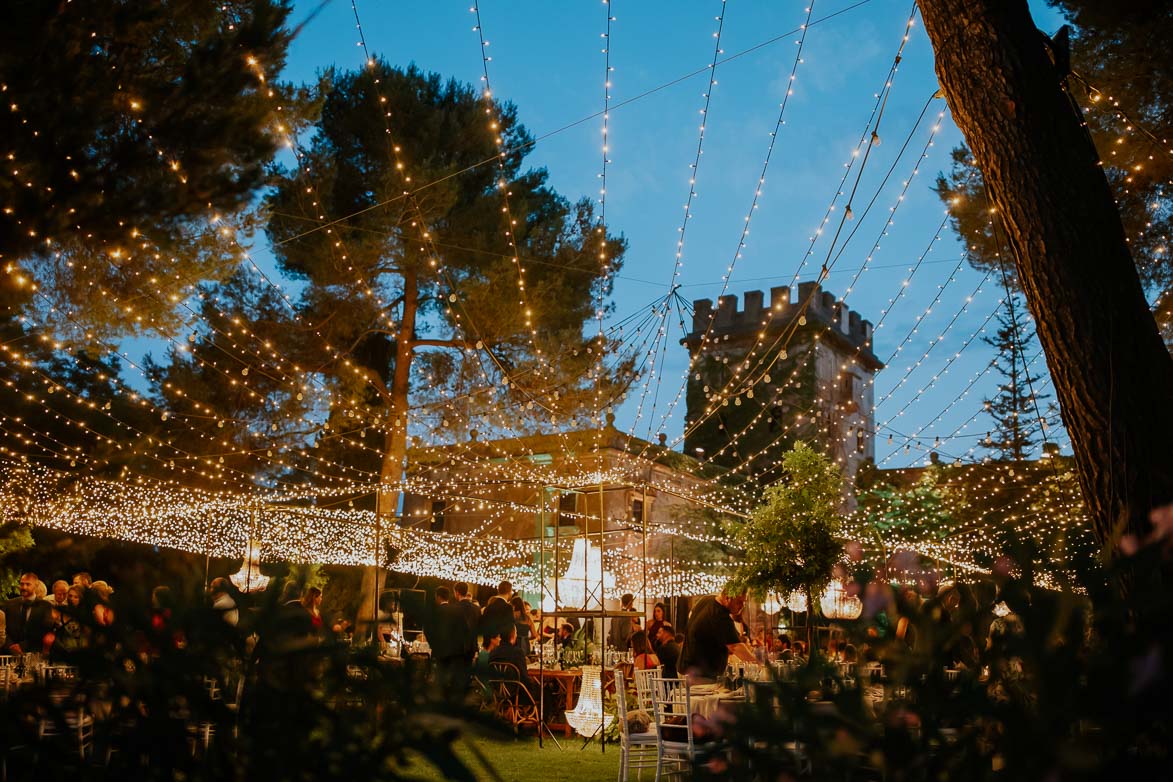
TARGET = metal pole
(644,528)
(602,596)
(542,613)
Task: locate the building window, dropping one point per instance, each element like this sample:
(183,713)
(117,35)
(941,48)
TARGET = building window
(637,510)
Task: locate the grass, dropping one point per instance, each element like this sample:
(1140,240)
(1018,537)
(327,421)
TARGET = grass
(520,759)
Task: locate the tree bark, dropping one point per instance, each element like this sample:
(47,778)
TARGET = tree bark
(1112,373)
(394,442)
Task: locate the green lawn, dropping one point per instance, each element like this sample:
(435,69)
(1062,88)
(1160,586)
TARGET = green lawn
(520,759)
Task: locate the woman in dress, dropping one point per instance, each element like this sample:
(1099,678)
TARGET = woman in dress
(643,657)
(311,601)
(659,617)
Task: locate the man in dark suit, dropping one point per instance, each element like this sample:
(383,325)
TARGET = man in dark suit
(497,617)
(28,619)
(510,651)
(668,650)
(448,638)
(472,617)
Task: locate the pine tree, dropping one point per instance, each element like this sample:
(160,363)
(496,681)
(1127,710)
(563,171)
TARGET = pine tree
(410,321)
(1015,408)
(134,135)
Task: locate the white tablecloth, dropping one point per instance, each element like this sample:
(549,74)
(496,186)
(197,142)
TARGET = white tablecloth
(707,700)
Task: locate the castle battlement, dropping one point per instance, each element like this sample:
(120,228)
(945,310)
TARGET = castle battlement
(783,308)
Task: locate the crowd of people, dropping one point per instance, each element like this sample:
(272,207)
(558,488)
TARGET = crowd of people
(43,620)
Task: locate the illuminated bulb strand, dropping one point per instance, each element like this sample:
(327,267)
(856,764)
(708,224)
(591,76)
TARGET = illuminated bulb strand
(575,123)
(969,340)
(881,98)
(141,400)
(829,261)
(719,400)
(503,187)
(810,354)
(872,125)
(604,260)
(758,188)
(694,170)
(221,525)
(165,414)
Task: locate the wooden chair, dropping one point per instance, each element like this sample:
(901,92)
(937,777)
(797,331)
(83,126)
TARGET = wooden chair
(637,750)
(513,700)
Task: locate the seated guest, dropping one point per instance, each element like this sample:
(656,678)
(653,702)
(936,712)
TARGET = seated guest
(659,619)
(510,651)
(60,592)
(27,618)
(711,637)
(488,644)
(565,635)
(668,650)
(642,656)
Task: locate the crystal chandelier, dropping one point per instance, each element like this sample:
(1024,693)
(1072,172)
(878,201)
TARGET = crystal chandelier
(588,717)
(249,578)
(585,582)
(837,604)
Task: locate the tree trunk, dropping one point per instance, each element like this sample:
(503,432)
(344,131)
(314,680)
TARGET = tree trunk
(1112,373)
(394,443)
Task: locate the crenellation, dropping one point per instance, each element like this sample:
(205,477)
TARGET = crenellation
(753,306)
(838,340)
(823,306)
(780,298)
(726,312)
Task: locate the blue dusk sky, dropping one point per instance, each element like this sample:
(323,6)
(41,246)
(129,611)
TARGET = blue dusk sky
(547,58)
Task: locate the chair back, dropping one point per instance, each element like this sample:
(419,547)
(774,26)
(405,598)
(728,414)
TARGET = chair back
(621,705)
(643,686)
(672,703)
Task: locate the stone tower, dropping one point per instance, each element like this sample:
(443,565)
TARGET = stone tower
(765,376)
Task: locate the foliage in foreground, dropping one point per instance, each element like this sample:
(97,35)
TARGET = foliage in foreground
(1076,690)
(306,711)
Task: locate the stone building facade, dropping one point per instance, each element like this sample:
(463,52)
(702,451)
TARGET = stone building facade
(798,367)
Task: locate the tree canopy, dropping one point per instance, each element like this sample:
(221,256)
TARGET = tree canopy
(788,542)
(1121,75)
(134,135)
(441,283)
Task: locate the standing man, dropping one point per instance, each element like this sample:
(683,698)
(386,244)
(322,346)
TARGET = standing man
(497,617)
(619,636)
(711,637)
(27,618)
(472,618)
(667,650)
(447,637)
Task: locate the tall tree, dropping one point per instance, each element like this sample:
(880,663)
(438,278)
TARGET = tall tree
(1123,71)
(789,543)
(448,267)
(128,127)
(1113,375)
(1015,408)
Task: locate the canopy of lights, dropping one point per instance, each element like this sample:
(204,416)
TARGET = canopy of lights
(303,507)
